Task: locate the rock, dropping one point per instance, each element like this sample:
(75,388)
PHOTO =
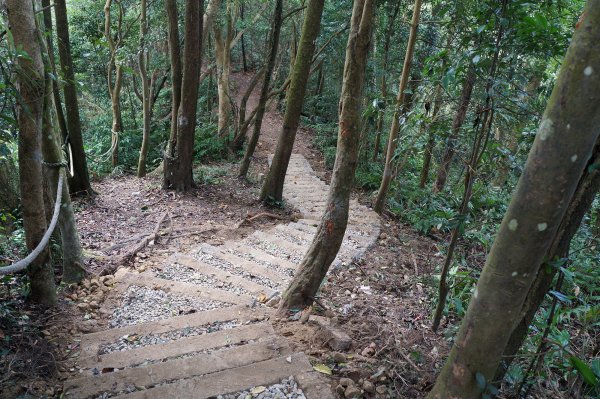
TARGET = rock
(346,382)
(94,305)
(352,392)
(337,339)
(83,306)
(273,302)
(381,389)
(86,284)
(368,386)
(94,282)
(338,357)
(340,390)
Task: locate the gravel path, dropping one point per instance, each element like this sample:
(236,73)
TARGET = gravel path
(177,272)
(282,270)
(287,389)
(142,304)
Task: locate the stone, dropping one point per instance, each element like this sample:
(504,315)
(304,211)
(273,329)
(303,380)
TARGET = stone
(338,357)
(340,390)
(368,386)
(336,339)
(273,302)
(381,389)
(83,306)
(352,392)
(346,382)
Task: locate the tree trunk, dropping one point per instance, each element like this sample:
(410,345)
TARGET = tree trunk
(223,61)
(30,85)
(386,179)
(244,63)
(80,182)
(272,189)
(114,88)
(176,75)
(437,105)
(264,93)
(330,233)
(178,167)
(580,204)
(72,257)
(459,119)
(567,134)
(143,63)
(60,115)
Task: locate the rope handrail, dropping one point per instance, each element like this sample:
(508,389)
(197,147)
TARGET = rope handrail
(23,263)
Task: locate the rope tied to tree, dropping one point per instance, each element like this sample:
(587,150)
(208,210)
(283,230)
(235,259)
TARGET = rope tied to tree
(24,263)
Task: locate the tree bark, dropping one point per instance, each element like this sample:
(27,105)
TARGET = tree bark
(113,67)
(60,115)
(143,63)
(386,179)
(72,256)
(330,233)
(459,119)
(580,204)
(178,167)
(568,131)
(30,85)
(264,93)
(176,75)
(80,182)
(272,189)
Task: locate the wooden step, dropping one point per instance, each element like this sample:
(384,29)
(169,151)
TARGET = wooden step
(200,364)
(91,343)
(284,267)
(229,381)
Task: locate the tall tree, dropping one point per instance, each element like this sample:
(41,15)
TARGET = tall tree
(72,256)
(143,64)
(272,189)
(30,81)
(264,93)
(80,182)
(386,179)
(563,145)
(179,156)
(114,72)
(330,233)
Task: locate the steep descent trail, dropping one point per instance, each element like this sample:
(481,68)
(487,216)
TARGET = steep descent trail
(198,325)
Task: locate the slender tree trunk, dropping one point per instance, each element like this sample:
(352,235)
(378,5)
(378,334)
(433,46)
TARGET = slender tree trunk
(143,63)
(80,182)
(223,41)
(238,141)
(330,233)
(244,63)
(264,93)
(62,123)
(176,76)
(386,179)
(178,168)
(389,33)
(114,88)
(30,85)
(569,129)
(580,204)
(273,187)
(72,256)
(459,119)
(437,105)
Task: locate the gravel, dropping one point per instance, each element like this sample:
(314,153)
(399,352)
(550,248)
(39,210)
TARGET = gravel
(287,389)
(282,270)
(177,272)
(143,304)
(234,269)
(128,342)
(296,239)
(278,252)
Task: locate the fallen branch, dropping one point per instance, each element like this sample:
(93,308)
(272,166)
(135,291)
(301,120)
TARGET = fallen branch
(250,219)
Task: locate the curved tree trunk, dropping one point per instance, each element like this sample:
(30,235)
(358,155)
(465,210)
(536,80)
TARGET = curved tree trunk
(330,233)
(264,93)
(568,131)
(143,64)
(30,83)
(272,189)
(388,171)
(80,183)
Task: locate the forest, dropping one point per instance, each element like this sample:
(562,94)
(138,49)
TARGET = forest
(301,199)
